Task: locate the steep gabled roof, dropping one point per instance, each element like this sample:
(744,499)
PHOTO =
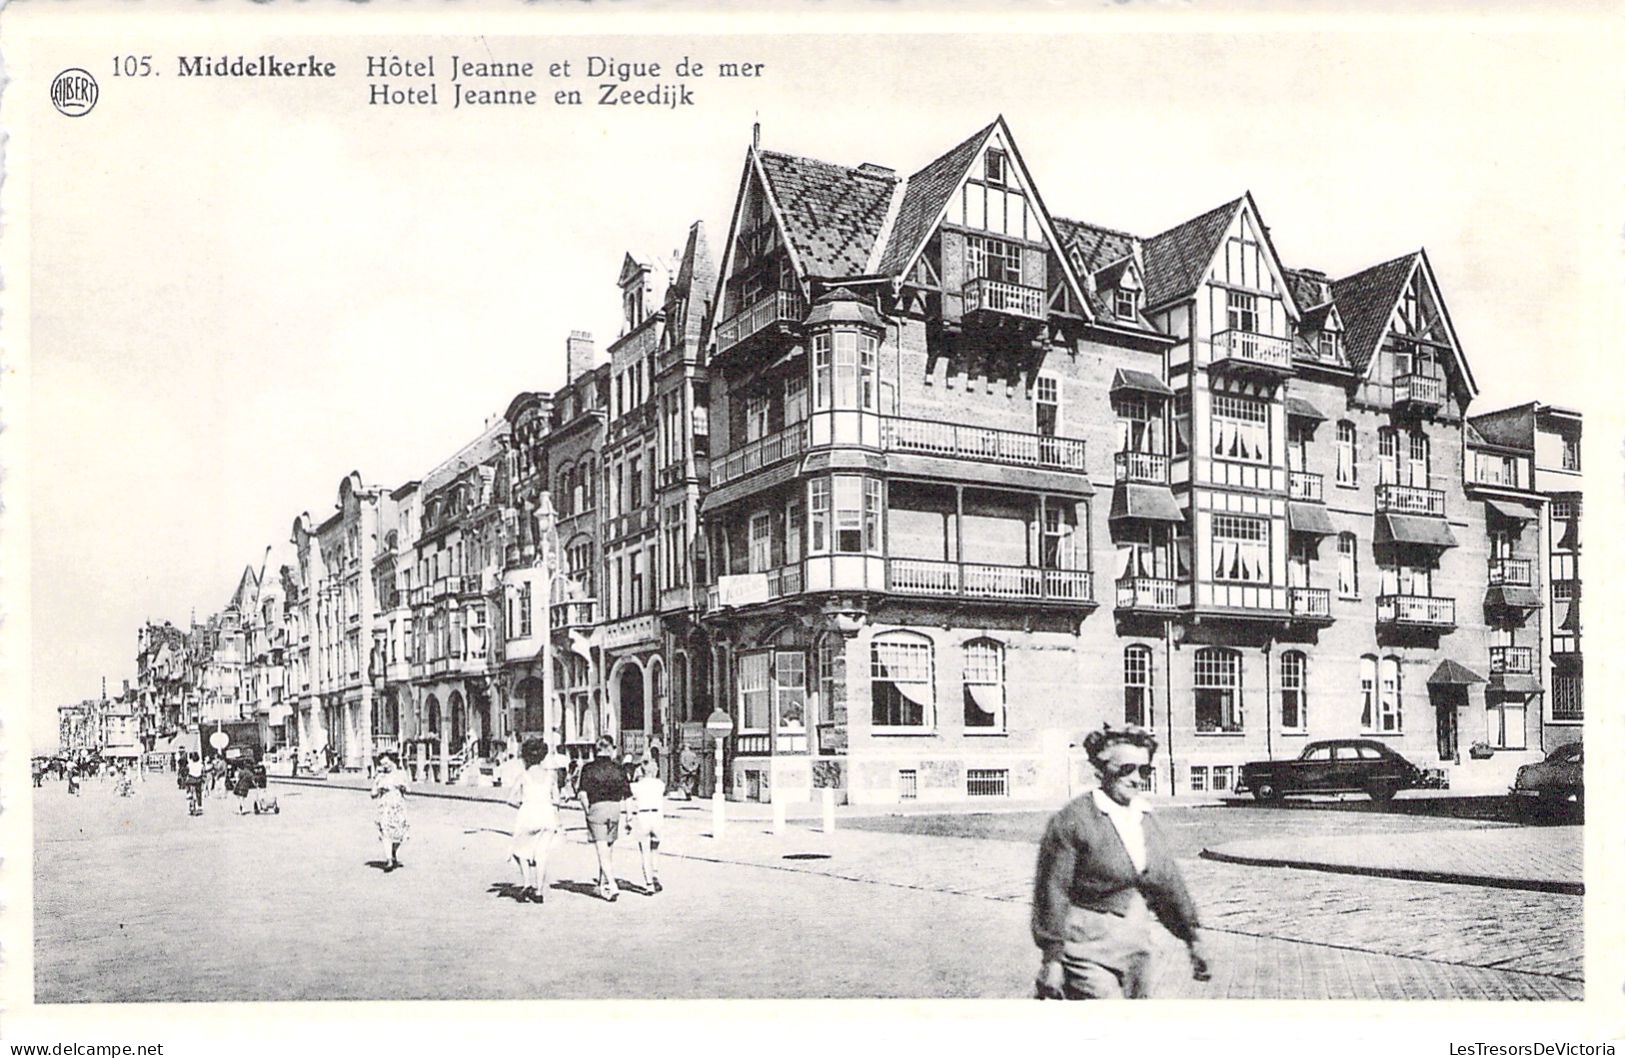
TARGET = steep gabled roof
(1095,247)
(1176,260)
(924,198)
(831,214)
(1509,427)
(1366,300)
(1309,288)
(247,590)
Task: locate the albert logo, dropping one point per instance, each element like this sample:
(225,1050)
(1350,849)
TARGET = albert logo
(74,92)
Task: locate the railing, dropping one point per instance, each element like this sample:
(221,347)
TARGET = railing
(632,522)
(1146,593)
(471,584)
(780,306)
(1422,610)
(1264,350)
(446,586)
(1512,661)
(1010,299)
(1419,389)
(1302,485)
(1519,572)
(573,613)
(1310,602)
(783,581)
(913,576)
(1141,467)
(762,452)
(980,442)
(1410,499)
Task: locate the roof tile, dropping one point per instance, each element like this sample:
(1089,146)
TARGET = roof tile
(832,214)
(1176,260)
(1365,300)
(923,199)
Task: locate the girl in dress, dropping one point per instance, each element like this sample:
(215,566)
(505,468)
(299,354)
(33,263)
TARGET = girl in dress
(389,790)
(536,827)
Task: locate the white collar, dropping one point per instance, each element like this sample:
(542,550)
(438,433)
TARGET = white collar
(1136,809)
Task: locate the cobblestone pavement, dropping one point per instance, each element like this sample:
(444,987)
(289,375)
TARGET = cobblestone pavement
(136,901)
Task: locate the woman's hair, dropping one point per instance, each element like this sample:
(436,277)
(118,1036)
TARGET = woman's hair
(391,756)
(1095,742)
(534,751)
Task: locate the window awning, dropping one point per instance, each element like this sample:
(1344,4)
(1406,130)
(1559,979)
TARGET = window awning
(1453,674)
(1153,503)
(1140,382)
(1308,518)
(1516,685)
(1299,408)
(1510,511)
(1512,597)
(1413,529)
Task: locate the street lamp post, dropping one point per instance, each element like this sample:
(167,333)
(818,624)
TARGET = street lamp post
(719,725)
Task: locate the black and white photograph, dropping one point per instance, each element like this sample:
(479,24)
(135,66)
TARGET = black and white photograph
(540,509)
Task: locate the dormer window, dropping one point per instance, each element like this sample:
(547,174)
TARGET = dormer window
(993,169)
(1327,345)
(1124,304)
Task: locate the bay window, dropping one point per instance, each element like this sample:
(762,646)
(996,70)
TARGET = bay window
(1241,429)
(992,259)
(844,370)
(790,689)
(843,515)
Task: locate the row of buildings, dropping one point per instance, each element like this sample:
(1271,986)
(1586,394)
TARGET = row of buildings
(917,482)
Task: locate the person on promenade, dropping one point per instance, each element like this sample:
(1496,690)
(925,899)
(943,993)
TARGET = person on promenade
(73,778)
(123,784)
(648,800)
(536,827)
(194,785)
(389,790)
(242,784)
(603,788)
(1103,872)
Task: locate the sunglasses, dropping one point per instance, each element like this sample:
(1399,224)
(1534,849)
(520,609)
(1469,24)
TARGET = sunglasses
(1123,771)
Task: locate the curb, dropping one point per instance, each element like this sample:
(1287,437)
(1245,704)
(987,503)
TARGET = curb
(323,784)
(1533,885)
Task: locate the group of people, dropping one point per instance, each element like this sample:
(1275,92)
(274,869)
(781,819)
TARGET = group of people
(605,788)
(74,773)
(197,777)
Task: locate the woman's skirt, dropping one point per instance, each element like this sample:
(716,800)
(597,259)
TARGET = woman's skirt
(392,821)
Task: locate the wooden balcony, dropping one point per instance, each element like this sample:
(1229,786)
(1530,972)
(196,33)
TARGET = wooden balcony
(778,310)
(1149,594)
(1003,299)
(1302,485)
(760,453)
(1249,353)
(1310,604)
(914,576)
(574,613)
(1141,468)
(981,443)
(1512,572)
(1410,499)
(1512,661)
(1416,611)
(1423,393)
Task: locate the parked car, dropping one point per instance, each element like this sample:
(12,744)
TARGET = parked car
(1557,778)
(1338,765)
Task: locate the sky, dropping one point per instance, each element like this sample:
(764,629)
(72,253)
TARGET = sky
(240,291)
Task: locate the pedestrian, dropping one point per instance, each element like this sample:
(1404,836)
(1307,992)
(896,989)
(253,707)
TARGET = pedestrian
(603,788)
(688,769)
(536,827)
(242,785)
(123,785)
(1103,872)
(389,790)
(73,779)
(194,785)
(648,800)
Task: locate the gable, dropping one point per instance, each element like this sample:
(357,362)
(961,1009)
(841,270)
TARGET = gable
(1245,258)
(829,216)
(1399,298)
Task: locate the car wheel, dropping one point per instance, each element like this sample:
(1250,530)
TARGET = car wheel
(1267,791)
(1381,792)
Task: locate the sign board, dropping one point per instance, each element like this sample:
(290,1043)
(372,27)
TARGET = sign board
(719,724)
(219,740)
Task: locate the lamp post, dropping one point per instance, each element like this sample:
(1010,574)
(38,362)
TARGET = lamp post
(719,725)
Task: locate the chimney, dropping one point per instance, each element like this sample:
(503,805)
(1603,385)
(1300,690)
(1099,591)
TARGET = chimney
(876,170)
(578,355)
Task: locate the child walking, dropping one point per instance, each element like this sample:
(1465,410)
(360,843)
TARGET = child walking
(649,801)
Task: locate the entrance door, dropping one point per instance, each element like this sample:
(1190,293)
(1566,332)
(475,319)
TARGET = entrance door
(1447,720)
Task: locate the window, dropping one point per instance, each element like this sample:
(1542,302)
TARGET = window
(1387,456)
(908,784)
(524,609)
(1198,778)
(1218,691)
(818,516)
(1348,566)
(1241,549)
(1567,702)
(1294,683)
(792,532)
(1240,429)
(1504,721)
(1389,717)
(984,685)
(828,648)
(1137,686)
(1368,691)
(761,542)
(634,478)
(1047,403)
(855,515)
(1326,344)
(790,689)
(1346,438)
(993,167)
(901,686)
(1057,551)
(755,417)
(1241,311)
(1221,777)
(1571,453)
(844,370)
(848,492)
(795,399)
(994,259)
(987,782)
(1124,304)
(1419,459)
(755,691)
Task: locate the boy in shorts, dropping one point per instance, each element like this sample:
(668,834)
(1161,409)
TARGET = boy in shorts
(648,801)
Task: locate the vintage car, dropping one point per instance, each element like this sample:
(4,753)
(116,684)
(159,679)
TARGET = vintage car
(1557,778)
(1339,765)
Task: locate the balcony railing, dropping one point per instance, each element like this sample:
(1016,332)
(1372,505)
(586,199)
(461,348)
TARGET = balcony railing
(1423,390)
(631,523)
(472,584)
(762,452)
(1410,499)
(1512,661)
(913,576)
(779,306)
(783,581)
(1147,467)
(1008,299)
(574,613)
(1514,572)
(1246,349)
(980,442)
(1418,611)
(1302,485)
(1310,602)
(1146,593)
